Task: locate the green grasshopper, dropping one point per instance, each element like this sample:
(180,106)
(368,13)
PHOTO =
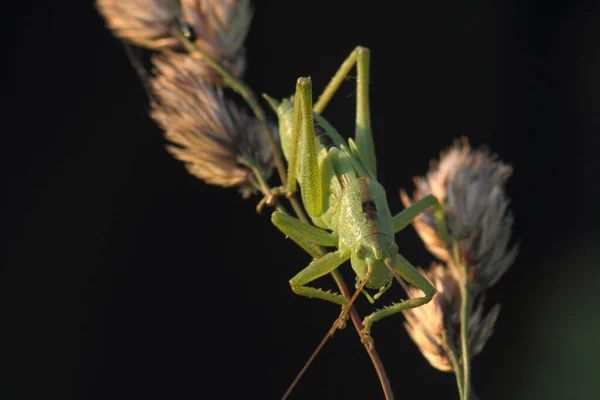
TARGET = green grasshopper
(343,198)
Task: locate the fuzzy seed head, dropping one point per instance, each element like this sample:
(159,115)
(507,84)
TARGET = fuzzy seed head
(210,134)
(470,185)
(146,23)
(219,27)
(169,63)
(436,325)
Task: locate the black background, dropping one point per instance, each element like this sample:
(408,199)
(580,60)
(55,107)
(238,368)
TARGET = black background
(124,277)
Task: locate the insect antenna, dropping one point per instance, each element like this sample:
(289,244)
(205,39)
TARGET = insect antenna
(401,281)
(329,334)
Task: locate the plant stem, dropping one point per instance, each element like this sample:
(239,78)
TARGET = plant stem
(465,314)
(258,175)
(449,349)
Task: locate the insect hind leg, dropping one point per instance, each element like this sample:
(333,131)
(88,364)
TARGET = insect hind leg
(363,134)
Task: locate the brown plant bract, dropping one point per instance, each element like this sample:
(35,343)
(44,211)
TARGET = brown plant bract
(168,62)
(211,133)
(436,325)
(470,187)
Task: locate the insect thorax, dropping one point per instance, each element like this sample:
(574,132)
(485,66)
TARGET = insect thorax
(363,211)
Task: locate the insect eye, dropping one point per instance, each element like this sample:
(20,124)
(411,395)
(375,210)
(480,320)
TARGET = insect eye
(187,30)
(360,252)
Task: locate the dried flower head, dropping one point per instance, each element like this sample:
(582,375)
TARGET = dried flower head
(212,135)
(146,23)
(220,26)
(170,62)
(470,187)
(217,26)
(435,326)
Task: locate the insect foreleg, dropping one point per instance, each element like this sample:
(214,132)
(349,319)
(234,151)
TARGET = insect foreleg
(306,235)
(409,273)
(316,269)
(363,135)
(404,218)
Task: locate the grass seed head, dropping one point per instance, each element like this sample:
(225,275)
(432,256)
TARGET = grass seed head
(219,27)
(435,326)
(146,23)
(210,134)
(470,185)
(170,62)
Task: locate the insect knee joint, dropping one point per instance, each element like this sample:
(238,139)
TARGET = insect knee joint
(361,50)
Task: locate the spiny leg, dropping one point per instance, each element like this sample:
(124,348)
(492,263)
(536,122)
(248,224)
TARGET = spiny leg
(308,237)
(305,235)
(363,135)
(405,217)
(409,273)
(316,269)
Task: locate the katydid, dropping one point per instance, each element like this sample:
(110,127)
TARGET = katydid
(341,194)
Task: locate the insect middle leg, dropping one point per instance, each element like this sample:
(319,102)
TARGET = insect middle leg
(308,237)
(405,217)
(316,269)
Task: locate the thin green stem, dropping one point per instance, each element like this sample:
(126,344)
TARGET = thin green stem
(257,174)
(465,314)
(258,182)
(240,88)
(449,349)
